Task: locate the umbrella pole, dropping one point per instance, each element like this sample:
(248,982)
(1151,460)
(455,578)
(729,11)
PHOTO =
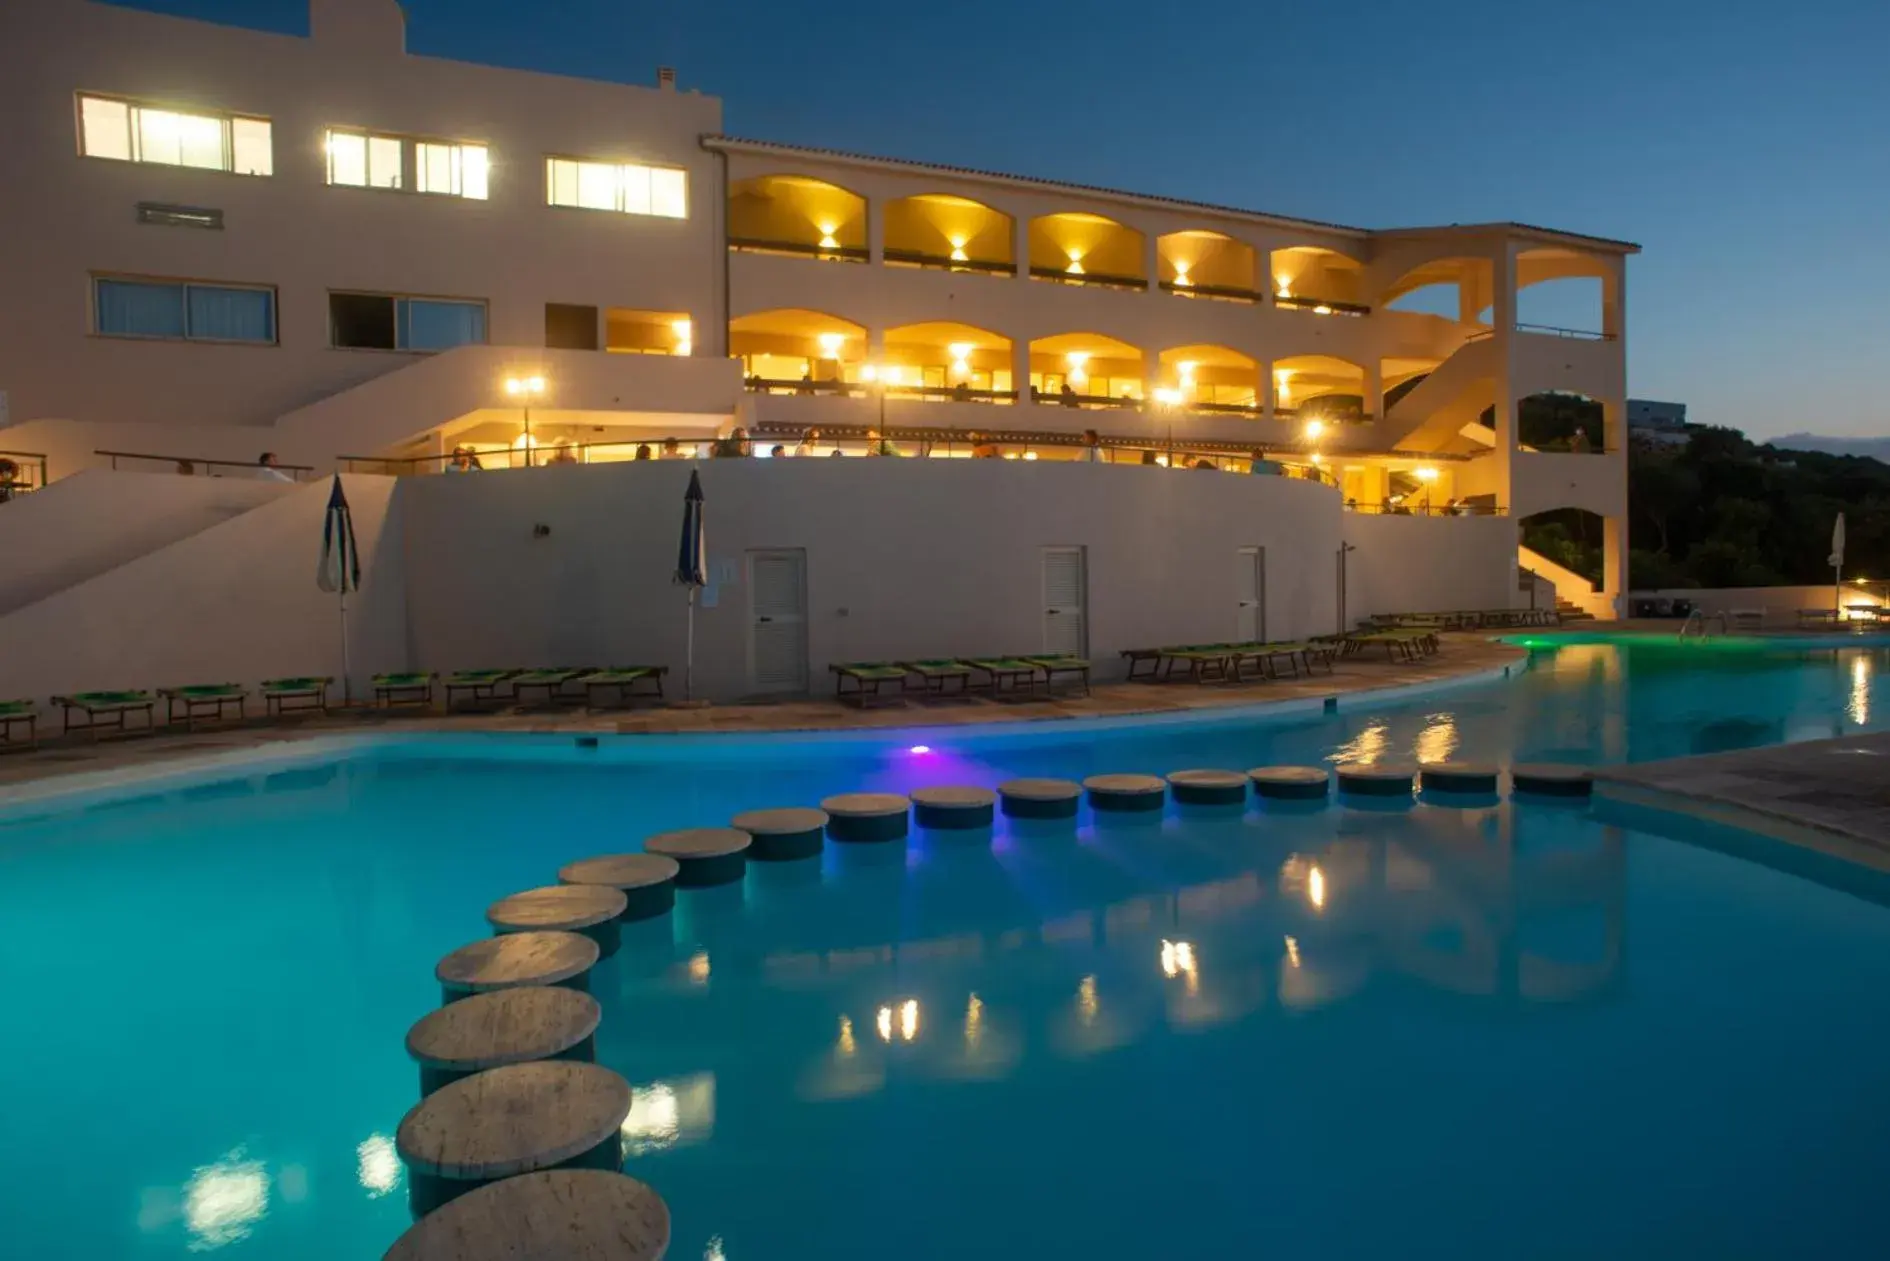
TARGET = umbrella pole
(689,651)
(1837,592)
(347,682)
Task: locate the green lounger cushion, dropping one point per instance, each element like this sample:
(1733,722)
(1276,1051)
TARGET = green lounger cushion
(943,667)
(105,700)
(869,670)
(552,675)
(204,691)
(303,684)
(1060,662)
(17,709)
(411,679)
(618,674)
(1003,665)
(478,677)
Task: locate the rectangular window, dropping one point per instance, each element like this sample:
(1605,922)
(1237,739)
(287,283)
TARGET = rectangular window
(628,188)
(379,321)
(178,310)
(126,132)
(456,170)
(364,161)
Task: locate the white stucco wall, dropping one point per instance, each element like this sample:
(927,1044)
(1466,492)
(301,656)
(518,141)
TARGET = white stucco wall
(1429,564)
(905,559)
(81,526)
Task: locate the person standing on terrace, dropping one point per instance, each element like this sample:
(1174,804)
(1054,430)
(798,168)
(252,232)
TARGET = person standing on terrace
(1092,452)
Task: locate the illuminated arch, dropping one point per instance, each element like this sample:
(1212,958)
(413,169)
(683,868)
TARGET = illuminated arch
(944,353)
(1196,258)
(1076,245)
(1316,273)
(1219,376)
(943,230)
(797,213)
(792,344)
(1090,363)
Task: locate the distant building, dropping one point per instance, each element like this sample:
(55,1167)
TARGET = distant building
(1658,424)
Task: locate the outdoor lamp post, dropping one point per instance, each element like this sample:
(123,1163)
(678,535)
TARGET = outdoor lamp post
(525,389)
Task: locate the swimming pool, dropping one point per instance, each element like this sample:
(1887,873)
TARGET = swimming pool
(1513,1029)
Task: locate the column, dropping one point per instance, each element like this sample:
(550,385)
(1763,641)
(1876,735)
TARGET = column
(1614,562)
(1372,398)
(875,234)
(1614,327)
(1263,388)
(1503,317)
(1020,245)
(1020,368)
(1152,261)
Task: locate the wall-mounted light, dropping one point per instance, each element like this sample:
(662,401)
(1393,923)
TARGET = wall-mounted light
(869,373)
(1181,275)
(827,239)
(1426,474)
(958,250)
(1313,429)
(685,332)
(1078,361)
(1167,397)
(961,357)
(830,344)
(1076,263)
(1322,309)
(1283,383)
(1285,286)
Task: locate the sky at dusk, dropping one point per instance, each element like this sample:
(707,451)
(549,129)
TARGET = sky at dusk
(1744,145)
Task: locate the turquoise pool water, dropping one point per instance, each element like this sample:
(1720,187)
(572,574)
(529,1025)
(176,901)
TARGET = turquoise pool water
(1490,1030)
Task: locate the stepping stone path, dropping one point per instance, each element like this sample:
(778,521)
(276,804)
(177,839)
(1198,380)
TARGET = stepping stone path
(518,1026)
(1208,788)
(704,856)
(1126,793)
(647,881)
(1457,777)
(866,816)
(1382,780)
(954,807)
(564,1215)
(1552,779)
(590,909)
(784,834)
(1290,783)
(512,1120)
(1040,798)
(515,959)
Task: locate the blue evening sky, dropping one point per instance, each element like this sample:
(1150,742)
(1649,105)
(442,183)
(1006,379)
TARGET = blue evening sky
(1745,144)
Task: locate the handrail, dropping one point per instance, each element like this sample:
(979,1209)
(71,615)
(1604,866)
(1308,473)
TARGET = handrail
(1224,293)
(1322,306)
(1582,334)
(870,389)
(195,461)
(11,485)
(1100,280)
(945,262)
(764,245)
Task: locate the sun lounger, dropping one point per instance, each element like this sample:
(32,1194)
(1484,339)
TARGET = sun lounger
(202,700)
(867,677)
(1056,664)
(1005,676)
(625,680)
(1140,657)
(285,696)
(414,687)
(937,674)
(1204,663)
(551,680)
(482,685)
(1817,617)
(105,711)
(13,712)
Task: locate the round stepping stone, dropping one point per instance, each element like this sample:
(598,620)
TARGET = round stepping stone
(519,1026)
(1290,783)
(562,1215)
(1208,788)
(512,1120)
(1127,793)
(785,834)
(1457,777)
(590,909)
(954,807)
(1381,780)
(866,816)
(514,959)
(1552,779)
(704,856)
(647,881)
(1040,798)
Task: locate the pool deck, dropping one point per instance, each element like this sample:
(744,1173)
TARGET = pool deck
(1461,656)
(1829,795)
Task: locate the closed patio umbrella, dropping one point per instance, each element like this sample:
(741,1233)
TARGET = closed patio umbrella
(1836,561)
(339,570)
(692,570)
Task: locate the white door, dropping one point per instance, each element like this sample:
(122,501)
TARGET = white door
(1250,594)
(777,621)
(1064,602)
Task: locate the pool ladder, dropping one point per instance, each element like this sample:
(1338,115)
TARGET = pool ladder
(1697,621)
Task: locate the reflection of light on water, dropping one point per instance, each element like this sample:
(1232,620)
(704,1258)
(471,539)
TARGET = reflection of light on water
(883,1021)
(222,1201)
(664,1113)
(1086,1000)
(1859,708)
(1316,888)
(1178,960)
(377,1165)
(908,1021)
(1438,740)
(1365,748)
(1292,951)
(714,1251)
(699,968)
(847,1045)
(974,1021)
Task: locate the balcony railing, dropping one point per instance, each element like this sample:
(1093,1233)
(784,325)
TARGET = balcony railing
(1219,293)
(1059,399)
(1579,334)
(1322,306)
(800,249)
(945,262)
(26,474)
(869,389)
(198,466)
(1093,279)
(1427,510)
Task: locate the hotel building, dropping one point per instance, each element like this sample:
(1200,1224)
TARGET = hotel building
(223,242)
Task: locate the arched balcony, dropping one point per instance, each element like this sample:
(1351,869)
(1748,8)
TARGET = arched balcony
(1085,249)
(1565,293)
(795,214)
(792,351)
(1214,379)
(1323,281)
(630,332)
(951,233)
(1319,388)
(1201,264)
(1086,370)
(945,362)
(1456,289)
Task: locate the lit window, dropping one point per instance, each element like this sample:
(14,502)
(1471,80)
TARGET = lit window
(629,188)
(457,170)
(211,142)
(364,161)
(175,310)
(380,321)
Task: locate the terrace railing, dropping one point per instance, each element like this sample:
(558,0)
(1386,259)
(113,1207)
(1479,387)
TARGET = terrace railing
(801,249)
(28,473)
(1222,293)
(1322,306)
(945,262)
(200,466)
(1093,279)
